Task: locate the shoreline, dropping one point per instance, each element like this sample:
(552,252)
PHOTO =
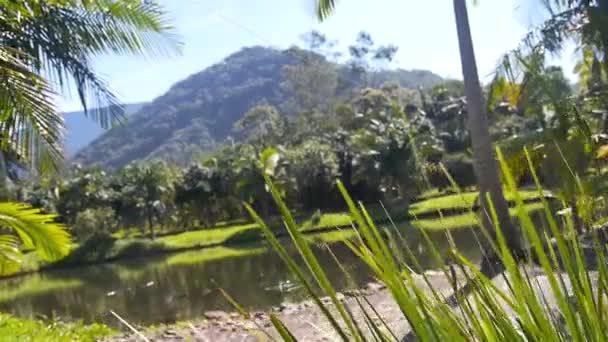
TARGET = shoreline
(256,239)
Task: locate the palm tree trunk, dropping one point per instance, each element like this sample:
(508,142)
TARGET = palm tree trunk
(485,165)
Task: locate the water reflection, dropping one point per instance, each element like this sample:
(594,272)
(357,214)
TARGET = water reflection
(184,286)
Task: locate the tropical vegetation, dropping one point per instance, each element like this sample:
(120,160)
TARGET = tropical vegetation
(453,151)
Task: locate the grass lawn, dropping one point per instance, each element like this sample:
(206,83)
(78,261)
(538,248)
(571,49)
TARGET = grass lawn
(461,221)
(463,200)
(203,237)
(210,254)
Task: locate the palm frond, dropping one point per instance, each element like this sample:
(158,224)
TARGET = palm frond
(62,40)
(30,126)
(325,8)
(10,254)
(55,41)
(35,230)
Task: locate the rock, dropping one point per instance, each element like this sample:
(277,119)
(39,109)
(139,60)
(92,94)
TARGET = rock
(172,335)
(216,315)
(235,315)
(375,287)
(249,325)
(170,332)
(340,297)
(259,315)
(352,293)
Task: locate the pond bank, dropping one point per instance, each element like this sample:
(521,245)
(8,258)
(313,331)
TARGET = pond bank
(304,319)
(424,214)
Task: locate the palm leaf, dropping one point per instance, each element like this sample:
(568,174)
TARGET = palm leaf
(10,254)
(35,230)
(325,8)
(30,126)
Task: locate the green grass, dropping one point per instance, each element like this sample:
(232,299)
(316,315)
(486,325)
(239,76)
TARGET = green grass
(463,220)
(463,200)
(460,221)
(333,236)
(210,254)
(23,330)
(203,237)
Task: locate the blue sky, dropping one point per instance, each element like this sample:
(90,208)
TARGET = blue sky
(424,31)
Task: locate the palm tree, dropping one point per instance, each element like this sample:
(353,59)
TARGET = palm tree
(485,165)
(47,47)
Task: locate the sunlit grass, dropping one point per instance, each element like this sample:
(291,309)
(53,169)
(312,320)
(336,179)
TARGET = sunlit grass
(460,200)
(463,220)
(211,254)
(203,237)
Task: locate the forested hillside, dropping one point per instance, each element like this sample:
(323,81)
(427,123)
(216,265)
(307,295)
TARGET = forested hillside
(197,114)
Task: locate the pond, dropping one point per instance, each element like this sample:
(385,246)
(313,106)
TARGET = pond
(183,286)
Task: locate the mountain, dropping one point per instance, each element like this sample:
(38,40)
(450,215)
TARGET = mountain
(82,130)
(198,113)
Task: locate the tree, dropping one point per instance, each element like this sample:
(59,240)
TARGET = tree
(146,192)
(486,168)
(313,79)
(383,146)
(262,124)
(84,188)
(198,193)
(312,170)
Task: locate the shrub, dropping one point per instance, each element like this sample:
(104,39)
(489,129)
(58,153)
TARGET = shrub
(139,248)
(92,220)
(97,247)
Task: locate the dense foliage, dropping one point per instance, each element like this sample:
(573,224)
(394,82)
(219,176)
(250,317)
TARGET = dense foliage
(198,114)
(385,144)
